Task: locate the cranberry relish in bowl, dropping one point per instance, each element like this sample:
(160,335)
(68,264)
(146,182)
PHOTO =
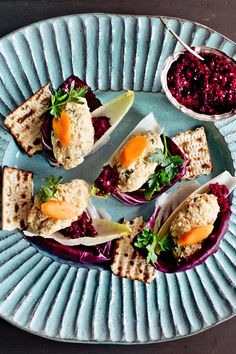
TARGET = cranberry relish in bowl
(203,89)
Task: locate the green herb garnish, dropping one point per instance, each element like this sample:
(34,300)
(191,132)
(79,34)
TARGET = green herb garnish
(153,243)
(60,98)
(48,192)
(169,168)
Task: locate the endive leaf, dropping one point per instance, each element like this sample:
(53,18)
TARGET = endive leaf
(147,123)
(106,231)
(114,109)
(166,212)
(224,178)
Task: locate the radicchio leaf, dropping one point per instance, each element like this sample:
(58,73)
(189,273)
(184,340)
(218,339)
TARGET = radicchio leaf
(169,203)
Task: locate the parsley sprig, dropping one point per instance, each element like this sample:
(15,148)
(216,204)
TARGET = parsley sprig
(153,243)
(60,98)
(48,192)
(168,169)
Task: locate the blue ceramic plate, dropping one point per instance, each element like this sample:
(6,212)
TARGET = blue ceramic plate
(64,301)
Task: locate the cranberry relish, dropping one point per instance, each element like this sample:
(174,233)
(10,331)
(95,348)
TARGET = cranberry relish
(221,192)
(107,181)
(83,226)
(207,87)
(101,125)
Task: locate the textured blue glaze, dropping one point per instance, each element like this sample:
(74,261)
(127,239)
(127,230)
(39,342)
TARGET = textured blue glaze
(57,310)
(166,316)
(104,57)
(17,295)
(221,307)
(177,307)
(202,301)
(223,283)
(84,324)
(155,48)
(115,312)
(26,308)
(46,301)
(68,323)
(153,312)
(17,253)
(142,47)
(129,315)
(67,301)
(117,46)
(140,293)
(189,304)
(100,321)
(92,44)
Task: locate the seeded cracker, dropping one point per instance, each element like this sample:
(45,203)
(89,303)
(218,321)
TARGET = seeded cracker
(127,262)
(26,120)
(194,145)
(17,194)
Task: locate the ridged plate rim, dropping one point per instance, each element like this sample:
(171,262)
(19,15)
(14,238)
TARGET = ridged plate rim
(223,129)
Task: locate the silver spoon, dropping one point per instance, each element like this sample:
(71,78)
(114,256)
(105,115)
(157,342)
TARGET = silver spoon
(181,41)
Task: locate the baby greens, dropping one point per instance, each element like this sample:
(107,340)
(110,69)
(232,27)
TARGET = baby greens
(60,98)
(48,192)
(169,168)
(154,245)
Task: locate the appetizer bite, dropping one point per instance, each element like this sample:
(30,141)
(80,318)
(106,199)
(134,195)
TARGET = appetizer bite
(78,124)
(184,231)
(60,218)
(145,165)
(58,205)
(68,124)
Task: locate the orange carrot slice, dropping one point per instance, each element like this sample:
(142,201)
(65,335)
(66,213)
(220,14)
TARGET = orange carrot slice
(132,150)
(62,128)
(59,210)
(195,235)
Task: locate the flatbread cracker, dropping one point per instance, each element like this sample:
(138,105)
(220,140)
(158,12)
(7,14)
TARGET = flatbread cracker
(127,262)
(17,196)
(26,120)
(194,145)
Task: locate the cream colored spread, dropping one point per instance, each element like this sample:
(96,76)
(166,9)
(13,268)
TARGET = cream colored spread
(76,192)
(133,177)
(82,136)
(199,210)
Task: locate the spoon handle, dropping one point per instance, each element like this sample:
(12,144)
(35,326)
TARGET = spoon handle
(181,41)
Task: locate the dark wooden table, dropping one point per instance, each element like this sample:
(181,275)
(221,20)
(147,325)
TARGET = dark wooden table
(218,14)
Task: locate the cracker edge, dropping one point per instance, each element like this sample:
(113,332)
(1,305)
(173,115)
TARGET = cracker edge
(192,131)
(30,154)
(150,279)
(5,169)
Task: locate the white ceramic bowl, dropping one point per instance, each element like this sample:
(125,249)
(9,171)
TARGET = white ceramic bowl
(169,61)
